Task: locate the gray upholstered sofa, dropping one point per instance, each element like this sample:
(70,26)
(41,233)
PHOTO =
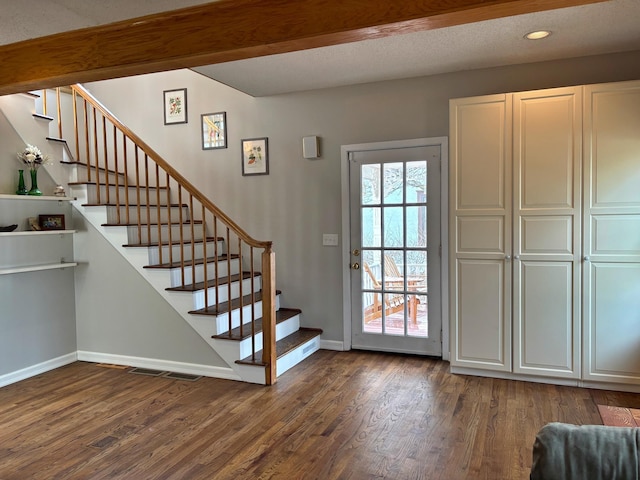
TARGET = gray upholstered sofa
(588,452)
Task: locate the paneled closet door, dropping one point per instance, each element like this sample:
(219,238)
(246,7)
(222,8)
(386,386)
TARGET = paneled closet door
(480,222)
(547,136)
(612,233)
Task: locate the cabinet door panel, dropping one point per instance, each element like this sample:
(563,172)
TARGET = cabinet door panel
(547,234)
(481,328)
(481,158)
(545,127)
(480,234)
(546,270)
(616,234)
(480,239)
(544,307)
(614,307)
(611,299)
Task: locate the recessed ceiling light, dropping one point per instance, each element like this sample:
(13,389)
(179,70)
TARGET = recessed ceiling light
(537,35)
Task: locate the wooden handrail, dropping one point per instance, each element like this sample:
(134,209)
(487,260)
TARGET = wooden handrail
(171,171)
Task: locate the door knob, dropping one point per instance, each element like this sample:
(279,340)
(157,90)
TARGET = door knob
(355,253)
(355,266)
(507,257)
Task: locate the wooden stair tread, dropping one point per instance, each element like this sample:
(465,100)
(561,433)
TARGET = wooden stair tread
(166,244)
(190,263)
(120,185)
(152,225)
(281,315)
(224,307)
(211,283)
(284,346)
(135,205)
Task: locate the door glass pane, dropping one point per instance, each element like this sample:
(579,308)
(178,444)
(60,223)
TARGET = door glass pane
(393,183)
(370,187)
(416,226)
(371,227)
(394,313)
(416,182)
(418,325)
(393,227)
(372,274)
(417,270)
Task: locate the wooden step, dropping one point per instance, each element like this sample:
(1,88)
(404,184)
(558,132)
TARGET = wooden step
(281,315)
(284,346)
(225,307)
(151,206)
(190,263)
(211,283)
(173,243)
(121,185)
(152,225)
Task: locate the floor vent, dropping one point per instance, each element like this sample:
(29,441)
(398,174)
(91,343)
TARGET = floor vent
(147,371)
(182,376)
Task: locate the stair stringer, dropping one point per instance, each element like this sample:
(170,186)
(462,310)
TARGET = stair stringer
(229,351)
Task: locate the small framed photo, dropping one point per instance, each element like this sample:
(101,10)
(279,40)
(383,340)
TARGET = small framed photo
(214,130)
(255,156)
(175,106)
(51,222)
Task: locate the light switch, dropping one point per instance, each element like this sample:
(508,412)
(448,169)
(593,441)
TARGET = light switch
(330,239)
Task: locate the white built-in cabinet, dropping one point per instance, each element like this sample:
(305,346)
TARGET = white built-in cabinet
(545,234)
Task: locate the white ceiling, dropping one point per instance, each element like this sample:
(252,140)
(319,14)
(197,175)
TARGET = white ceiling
(612,26)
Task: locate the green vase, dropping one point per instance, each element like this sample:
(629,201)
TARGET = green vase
(22,189)
(34,183)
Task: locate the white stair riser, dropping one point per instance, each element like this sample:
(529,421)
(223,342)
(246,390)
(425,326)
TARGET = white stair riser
(149,214)
(154,252)
(149,234)
(223,269)
(223,292)
(119,194)
(222,321)
(297,355)
(80,173)
(283,329)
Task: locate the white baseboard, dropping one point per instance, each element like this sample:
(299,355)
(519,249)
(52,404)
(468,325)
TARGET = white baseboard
(158,364)
(332,345)
(34,370)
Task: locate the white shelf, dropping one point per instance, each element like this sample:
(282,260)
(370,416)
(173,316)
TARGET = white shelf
(36,232)
(36,268)
(45,198)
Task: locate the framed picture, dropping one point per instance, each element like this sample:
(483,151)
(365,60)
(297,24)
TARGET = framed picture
(214,130)
(175,106)
(255,156)
(51,222)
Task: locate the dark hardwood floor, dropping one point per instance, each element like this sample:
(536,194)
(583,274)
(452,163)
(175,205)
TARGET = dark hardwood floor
(338,415)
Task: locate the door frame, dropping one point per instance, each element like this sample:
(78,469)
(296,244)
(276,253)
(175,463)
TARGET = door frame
(443,143)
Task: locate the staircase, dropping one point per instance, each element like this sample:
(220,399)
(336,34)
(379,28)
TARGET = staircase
(219,279)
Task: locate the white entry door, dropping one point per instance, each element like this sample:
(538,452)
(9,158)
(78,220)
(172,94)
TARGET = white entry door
(395,247)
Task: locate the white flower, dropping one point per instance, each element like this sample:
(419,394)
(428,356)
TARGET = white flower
(32,156)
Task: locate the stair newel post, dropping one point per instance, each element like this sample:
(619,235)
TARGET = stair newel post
(253,302)
(240,292)
(269,314)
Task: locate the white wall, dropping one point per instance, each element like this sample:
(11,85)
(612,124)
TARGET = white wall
(119,314)
(301,199)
